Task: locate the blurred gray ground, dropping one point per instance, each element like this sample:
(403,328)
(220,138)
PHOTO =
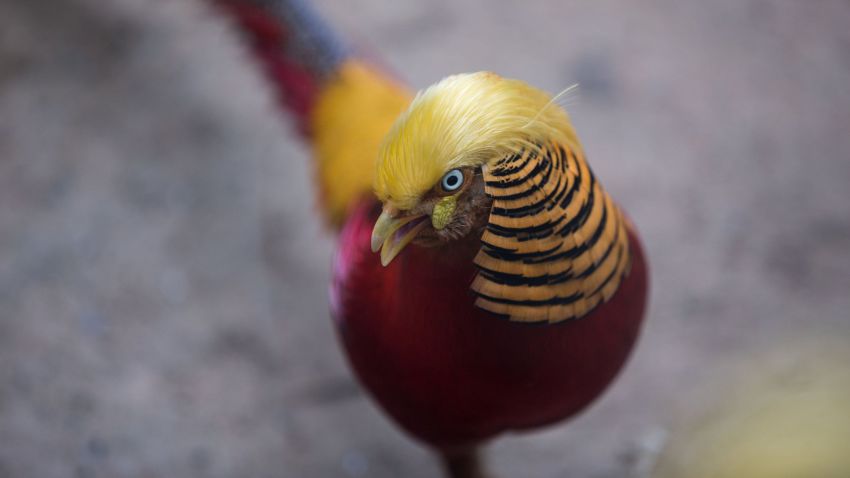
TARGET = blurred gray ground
(163,272)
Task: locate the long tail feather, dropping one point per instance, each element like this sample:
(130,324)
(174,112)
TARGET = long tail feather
(343,106)
(297,49)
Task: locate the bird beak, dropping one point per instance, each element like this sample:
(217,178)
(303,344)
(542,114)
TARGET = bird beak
(390,234)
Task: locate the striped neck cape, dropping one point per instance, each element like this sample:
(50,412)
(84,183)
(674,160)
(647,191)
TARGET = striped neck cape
(555,246)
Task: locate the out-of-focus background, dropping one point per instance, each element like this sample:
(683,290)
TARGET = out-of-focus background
(163,269)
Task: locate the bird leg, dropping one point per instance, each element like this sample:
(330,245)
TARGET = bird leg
(463,463)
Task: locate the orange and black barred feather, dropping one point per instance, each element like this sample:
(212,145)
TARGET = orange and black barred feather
(555,246)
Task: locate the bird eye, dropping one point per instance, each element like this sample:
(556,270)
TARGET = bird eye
(452,180)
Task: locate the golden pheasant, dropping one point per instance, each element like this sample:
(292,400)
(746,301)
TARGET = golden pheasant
(509,287)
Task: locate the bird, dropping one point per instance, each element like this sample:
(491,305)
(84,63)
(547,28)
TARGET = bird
(483,280)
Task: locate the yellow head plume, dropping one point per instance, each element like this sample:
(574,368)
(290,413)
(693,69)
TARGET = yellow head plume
(465,120)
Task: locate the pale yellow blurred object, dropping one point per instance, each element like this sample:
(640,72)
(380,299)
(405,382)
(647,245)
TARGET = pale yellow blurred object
(787,417)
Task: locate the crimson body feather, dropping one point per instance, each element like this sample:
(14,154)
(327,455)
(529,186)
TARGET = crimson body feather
(453,374)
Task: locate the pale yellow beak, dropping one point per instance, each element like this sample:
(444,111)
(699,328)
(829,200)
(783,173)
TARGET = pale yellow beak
(390,234)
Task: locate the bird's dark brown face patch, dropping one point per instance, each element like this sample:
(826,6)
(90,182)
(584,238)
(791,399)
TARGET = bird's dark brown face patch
(469,217)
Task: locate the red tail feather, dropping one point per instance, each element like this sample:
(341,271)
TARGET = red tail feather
(296,86)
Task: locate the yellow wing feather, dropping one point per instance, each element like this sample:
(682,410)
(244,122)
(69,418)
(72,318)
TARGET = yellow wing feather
(352,115)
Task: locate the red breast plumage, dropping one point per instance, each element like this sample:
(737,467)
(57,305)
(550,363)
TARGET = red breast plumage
(452,374)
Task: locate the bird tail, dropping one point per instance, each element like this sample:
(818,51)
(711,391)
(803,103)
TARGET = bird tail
(342,105)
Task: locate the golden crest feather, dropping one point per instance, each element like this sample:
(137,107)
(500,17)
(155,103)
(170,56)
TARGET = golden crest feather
(464,120)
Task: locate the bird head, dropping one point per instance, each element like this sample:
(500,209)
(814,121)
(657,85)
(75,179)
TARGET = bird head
(429,170)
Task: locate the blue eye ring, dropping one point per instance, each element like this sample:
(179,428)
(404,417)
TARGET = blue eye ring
(452,180)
